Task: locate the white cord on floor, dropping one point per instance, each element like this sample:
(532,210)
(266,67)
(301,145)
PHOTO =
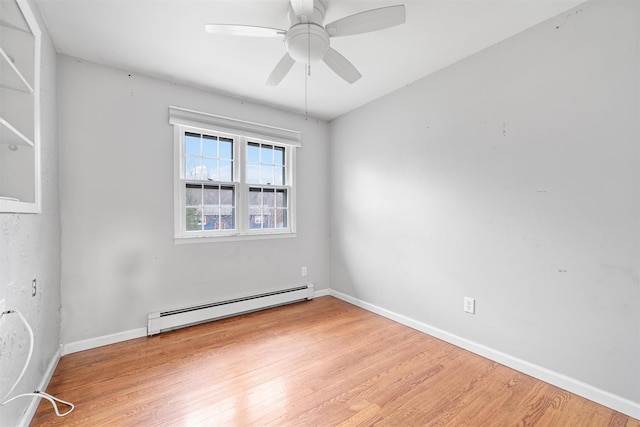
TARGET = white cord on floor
(37,393)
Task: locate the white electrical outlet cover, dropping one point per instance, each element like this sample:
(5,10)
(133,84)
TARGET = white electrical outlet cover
(469,305)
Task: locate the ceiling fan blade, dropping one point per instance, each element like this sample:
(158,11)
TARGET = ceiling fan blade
(243,30)
(341,66)
(281,69)
(367,21)
(303,7)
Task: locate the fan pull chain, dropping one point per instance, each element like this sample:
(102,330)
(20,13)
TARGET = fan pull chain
(309,49)
(306,96)
(307,74)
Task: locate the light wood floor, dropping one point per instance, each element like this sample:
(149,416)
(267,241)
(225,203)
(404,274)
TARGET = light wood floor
(322,362)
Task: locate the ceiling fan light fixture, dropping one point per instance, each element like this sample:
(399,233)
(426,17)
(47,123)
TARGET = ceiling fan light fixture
(307,42)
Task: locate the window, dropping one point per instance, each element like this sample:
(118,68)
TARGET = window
(266,172)
(233,179)
(208,180)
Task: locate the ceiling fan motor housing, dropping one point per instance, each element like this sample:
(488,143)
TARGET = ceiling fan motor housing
(307,42)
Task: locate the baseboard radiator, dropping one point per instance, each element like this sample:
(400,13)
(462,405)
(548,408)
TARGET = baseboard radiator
(162,321)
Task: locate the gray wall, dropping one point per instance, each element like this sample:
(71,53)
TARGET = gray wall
(119,259)
(511,177)
(30,248)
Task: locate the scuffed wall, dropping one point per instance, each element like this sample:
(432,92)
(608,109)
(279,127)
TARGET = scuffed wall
(30,249)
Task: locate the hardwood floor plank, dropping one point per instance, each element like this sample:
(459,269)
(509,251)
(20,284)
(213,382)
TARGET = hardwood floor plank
(323,362)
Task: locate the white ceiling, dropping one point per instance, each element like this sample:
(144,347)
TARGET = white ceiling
(166,39)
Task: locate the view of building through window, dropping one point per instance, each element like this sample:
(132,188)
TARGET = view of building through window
(212,179)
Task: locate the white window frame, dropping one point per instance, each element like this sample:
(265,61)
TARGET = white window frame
(242,133)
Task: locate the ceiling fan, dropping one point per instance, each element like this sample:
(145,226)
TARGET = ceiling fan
(307,40)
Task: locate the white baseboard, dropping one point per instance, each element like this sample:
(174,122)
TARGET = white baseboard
(88,344)
(321,293)
(572,385)
(44,383)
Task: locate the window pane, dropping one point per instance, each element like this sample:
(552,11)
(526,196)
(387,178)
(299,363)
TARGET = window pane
(268,197)
(227,221)
(226,148)
(268,208)
(267,175)
(211,196)
(202,157)
(191,144)
(210,222)
(193,219)
(225,173)
(255,197)
(209,146)
(266,155)
(279,178)
(253,152)
(192,167)
(281,198)
(265,164)
(193,196)
(281,218)
(255,218)
(226,197)
(211,215)
(209,207)
(269,218)
(209,170)
(278,156)
(253,174)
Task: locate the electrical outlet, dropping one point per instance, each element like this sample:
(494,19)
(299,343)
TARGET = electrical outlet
(303,271)
(469,305)
(34,287)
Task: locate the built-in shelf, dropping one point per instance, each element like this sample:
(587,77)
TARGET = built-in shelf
(19,108)
(12,78)
(11,136)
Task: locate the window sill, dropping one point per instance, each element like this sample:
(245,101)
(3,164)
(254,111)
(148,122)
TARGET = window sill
(179,240)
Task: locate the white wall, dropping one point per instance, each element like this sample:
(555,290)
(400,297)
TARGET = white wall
(119,259)
(30,248)
(511,177)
